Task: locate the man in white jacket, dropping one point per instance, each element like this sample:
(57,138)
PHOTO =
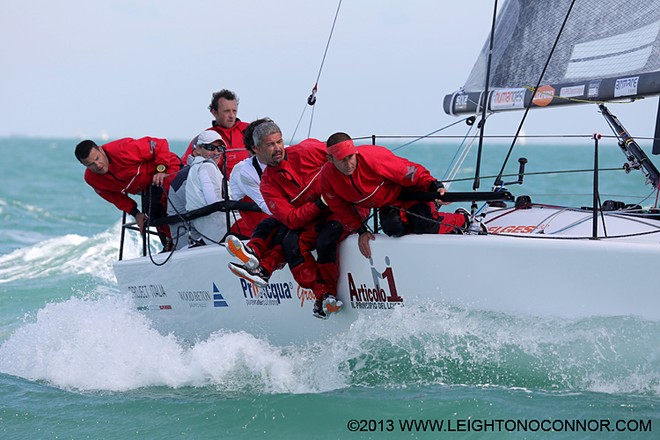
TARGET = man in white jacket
(204,186)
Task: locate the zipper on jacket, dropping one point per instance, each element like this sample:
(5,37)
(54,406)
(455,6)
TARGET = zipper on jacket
(288,176)
(354,185)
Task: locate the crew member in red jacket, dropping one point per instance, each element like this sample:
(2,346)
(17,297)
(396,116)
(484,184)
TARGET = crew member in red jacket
(224,108)
(132,166)
(290,186)
(369,177)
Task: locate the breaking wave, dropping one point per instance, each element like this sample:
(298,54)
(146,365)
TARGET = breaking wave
(68,254)
(99,342)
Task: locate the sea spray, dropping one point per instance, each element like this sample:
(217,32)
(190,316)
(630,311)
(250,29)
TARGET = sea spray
(101,342)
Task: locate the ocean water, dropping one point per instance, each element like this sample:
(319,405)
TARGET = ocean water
(77,361)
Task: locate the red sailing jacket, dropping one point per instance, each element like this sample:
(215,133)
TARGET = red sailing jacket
(131,169)
(233,137)
(291,188)
(377,181)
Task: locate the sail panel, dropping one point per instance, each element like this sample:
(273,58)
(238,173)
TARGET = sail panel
(612,64)
(609,49)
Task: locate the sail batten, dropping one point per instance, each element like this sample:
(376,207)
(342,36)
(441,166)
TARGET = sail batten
(609,49)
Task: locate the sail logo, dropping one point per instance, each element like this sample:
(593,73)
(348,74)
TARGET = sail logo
(544,96)
(571,91)
(375,294)
(270,295)
(461,102)
(505,99)
(626,86)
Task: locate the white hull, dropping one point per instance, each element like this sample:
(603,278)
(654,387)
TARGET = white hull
(194,294)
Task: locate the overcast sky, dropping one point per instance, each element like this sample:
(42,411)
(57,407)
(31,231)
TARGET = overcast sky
(136,68)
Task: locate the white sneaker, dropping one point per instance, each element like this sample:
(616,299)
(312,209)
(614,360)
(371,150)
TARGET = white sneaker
(243,252)
(258,276)
(331,304)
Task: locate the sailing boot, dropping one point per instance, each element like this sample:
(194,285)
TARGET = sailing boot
(258,276)
(243,252)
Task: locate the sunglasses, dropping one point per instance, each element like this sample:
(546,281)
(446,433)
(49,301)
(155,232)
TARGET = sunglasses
(211,147)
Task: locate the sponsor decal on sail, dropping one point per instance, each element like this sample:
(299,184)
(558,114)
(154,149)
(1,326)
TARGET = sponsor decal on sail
(626,86)
(461,102)
(544,95)
(571,91)
(504,99)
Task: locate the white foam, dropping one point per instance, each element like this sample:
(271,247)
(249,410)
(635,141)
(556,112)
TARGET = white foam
(103,344)
(100,342)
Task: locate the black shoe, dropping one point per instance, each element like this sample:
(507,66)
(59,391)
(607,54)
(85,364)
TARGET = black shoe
(258,276)
(317,311)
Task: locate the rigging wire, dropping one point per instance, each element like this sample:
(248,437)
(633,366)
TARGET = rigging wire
(484,105)
(459,158)
(311,99)
(429,134)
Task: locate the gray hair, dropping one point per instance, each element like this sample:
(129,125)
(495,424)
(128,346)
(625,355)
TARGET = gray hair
(265,129)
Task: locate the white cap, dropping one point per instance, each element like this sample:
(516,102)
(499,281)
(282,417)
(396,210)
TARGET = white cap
(208,137)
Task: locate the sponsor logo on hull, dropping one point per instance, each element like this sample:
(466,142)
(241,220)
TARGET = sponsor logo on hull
(271,295)
(203,298)
(379,292)
(148,293)
(304,294)
(516,229)
(154,307)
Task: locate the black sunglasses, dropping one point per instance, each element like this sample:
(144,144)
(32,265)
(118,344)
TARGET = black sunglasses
(211,147)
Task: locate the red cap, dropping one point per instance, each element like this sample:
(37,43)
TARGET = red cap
(342,149)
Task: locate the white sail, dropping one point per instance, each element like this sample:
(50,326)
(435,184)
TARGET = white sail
(603,50)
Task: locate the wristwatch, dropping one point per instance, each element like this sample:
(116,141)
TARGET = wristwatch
(161,168)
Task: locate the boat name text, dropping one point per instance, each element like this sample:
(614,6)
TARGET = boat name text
(148,291)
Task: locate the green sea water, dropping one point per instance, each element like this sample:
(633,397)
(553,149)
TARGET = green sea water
(433,372)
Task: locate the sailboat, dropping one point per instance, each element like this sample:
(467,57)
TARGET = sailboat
(537,259)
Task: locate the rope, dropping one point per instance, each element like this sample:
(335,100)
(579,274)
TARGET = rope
(432,220)
(146,227)
(311,99)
